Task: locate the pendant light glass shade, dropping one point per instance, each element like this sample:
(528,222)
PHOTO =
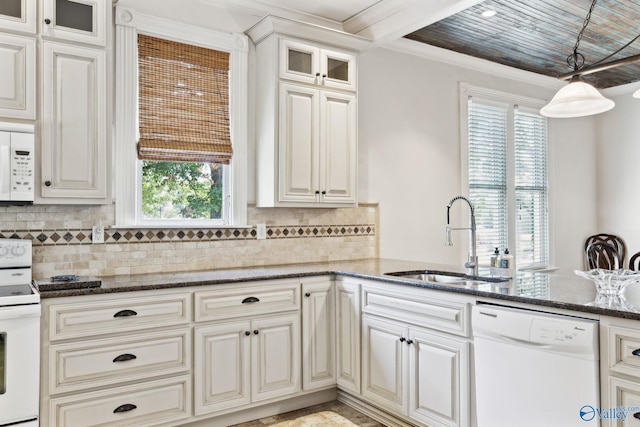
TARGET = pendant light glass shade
(636,94)
(577,99)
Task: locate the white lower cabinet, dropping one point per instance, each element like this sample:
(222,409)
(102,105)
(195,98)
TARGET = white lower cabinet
(252,358)
(150,359)
(132,368)
(412,368)
(246,361)
(619,371)
(318,336)
(348,334)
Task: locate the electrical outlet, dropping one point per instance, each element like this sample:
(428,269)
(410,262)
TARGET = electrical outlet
(97,234)
(261,231)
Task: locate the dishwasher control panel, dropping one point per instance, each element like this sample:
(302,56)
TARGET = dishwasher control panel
(560,330)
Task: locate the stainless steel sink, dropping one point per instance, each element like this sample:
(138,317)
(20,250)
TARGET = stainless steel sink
(446,277)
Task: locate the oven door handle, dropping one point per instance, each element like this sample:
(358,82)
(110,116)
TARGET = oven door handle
(19,311)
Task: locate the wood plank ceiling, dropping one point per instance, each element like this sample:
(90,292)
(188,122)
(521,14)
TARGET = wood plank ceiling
(538,35)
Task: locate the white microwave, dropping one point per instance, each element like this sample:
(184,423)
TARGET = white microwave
(17,179)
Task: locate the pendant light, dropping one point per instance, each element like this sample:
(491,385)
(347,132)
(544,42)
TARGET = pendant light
(578,98)
(636,94)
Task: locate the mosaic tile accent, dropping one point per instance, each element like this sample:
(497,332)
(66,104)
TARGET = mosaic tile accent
(120,236)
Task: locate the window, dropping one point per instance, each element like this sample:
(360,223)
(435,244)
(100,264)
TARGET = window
(181,124)
(184,143)
(506,157)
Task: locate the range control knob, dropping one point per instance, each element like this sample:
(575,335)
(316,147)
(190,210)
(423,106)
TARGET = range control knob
(18,250)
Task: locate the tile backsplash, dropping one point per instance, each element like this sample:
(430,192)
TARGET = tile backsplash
(62,243)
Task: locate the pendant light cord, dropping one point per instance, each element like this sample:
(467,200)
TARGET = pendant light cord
(576,60)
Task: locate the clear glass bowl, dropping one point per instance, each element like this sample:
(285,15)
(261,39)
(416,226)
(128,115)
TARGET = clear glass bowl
(610,282)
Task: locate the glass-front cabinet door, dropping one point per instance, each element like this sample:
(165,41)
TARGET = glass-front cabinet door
(76,20)
(299,62)
(305,62)
(18,15)
(338,69)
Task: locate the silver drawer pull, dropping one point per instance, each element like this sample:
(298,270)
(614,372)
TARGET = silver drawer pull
(124,408)
(249,300)
(124,357)
(125,313)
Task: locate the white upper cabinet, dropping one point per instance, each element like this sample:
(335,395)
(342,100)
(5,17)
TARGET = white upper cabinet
(311,64)
(18,15)
(306,115)
(18,71)
(81,21)
(73,137)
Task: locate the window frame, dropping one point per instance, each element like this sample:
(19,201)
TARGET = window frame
(510,101)
(128,168)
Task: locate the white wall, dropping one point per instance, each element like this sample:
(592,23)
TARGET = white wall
(409,157)
(618,152)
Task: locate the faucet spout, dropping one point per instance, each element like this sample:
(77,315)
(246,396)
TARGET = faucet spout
(472,263)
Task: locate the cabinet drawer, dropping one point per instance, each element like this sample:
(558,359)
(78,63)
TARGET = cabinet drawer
(103,362)
(623,342)
(624,394)
(117,315)
(419,308)
(246,301)
(145,404)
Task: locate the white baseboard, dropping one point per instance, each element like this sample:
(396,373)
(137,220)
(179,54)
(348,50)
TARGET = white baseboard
(371,411)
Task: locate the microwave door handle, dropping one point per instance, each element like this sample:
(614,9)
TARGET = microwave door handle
(5,171)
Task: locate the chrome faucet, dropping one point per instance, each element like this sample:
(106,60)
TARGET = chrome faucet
(472,263)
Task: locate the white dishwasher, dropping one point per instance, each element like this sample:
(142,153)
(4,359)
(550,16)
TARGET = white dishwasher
(534,369)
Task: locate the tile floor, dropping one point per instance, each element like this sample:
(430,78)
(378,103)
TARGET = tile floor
(335,406)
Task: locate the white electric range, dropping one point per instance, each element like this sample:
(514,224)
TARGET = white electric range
(19,336)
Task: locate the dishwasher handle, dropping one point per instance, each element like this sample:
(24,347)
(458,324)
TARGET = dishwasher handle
(527,343)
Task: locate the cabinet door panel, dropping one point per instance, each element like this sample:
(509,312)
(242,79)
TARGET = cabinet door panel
(17,68)
(318,365)
(338,142)
(348,335)
(439,381)
(299,115)
(73,142)
(384,363)
(275,351)
(222,364)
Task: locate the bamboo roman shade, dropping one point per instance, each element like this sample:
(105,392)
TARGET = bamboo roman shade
(183,102)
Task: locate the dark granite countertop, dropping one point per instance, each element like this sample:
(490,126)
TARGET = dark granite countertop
(540,289)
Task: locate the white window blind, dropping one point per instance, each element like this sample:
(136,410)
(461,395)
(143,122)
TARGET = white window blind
(507,175)
(530,141)
(488,176)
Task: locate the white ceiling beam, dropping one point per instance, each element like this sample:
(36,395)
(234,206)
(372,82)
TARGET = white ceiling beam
(392,19)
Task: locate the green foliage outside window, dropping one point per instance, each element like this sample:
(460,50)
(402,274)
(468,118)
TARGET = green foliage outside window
(182,190)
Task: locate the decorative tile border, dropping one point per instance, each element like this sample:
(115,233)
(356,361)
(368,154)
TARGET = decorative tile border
(120,236)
